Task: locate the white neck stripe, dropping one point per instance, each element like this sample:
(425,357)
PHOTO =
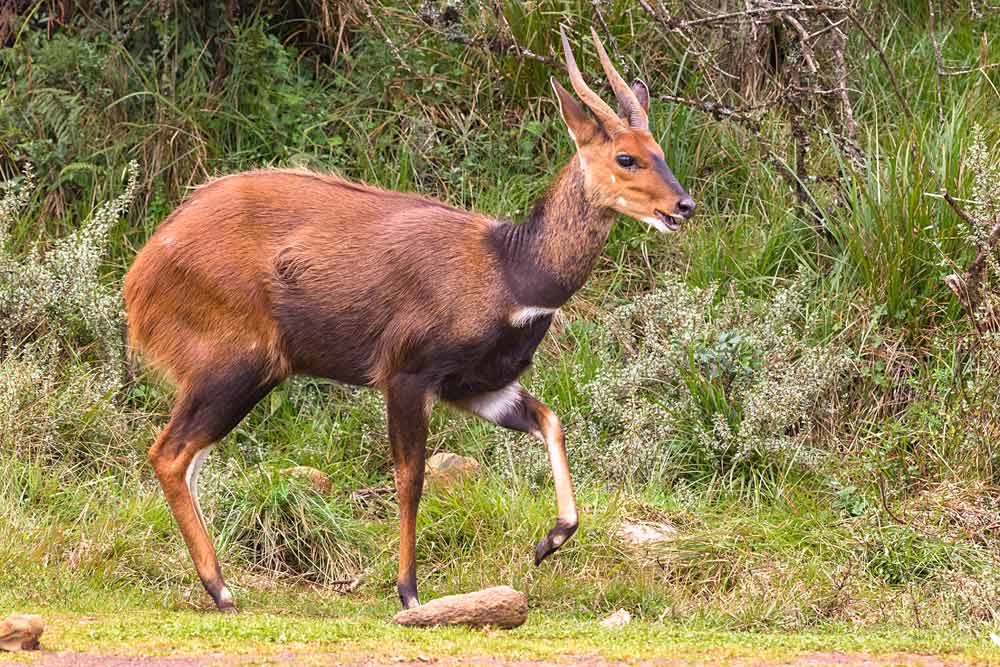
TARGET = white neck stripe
(526,314)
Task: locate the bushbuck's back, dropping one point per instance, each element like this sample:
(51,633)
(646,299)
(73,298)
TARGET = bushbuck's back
(308,273)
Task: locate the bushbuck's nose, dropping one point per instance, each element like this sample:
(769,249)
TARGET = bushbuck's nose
(685,207)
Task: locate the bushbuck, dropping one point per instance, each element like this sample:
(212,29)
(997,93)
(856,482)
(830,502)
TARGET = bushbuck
(261,275)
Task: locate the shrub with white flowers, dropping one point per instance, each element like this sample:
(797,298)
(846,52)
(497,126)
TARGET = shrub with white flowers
(53,303)
(59,293)
(696,380)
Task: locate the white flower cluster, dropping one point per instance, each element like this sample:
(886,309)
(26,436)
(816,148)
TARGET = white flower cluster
(14,202)
(985,182)
(23,380)
(985,170)
(49,408)
(60,292)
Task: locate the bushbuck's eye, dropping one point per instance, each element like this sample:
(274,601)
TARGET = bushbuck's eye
(626,161)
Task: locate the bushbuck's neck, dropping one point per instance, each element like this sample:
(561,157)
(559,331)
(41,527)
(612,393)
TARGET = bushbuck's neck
(549,257)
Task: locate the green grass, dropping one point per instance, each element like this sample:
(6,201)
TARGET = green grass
(318,625)
(884,544)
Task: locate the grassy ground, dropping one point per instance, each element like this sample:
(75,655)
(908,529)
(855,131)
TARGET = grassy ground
(812,412)
(327,627)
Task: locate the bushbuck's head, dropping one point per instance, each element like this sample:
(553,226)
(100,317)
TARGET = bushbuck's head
(623,165)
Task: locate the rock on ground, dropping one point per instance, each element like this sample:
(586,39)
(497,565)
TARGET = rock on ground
(444,469)
(318,480)
(618,619)
(20,632)
(645,533)
(499,607)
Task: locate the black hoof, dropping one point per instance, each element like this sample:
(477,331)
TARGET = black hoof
(557,537)
(220,595)
(408,595)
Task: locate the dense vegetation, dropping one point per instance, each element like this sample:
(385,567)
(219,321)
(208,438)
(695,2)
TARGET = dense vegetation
(802,396)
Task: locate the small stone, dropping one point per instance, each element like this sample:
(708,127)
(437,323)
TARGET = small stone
(445,469)
(618,619)
(645,533)
(21,632)
(318,480)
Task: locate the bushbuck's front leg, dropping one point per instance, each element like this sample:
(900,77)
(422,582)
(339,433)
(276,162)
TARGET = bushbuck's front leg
(408,404)
(514,408)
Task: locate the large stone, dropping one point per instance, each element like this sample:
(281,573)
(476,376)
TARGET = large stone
(21,632)
(445,469)
(498,607)
(646,533)
(317,480)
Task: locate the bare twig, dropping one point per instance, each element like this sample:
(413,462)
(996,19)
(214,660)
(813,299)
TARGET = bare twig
(969,70)
(834,25)
(717,110)
(658,13)
(807,54)
(501,47)
(716,18)
(797,79)
(669,24)
(849,127)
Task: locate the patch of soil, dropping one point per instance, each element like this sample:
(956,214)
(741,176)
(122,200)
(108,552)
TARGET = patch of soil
(861,660)
(835,659)
(68,659)
(806,660)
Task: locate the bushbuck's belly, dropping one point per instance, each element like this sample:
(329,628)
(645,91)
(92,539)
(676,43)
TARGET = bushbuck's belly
(492,363)
(335,347)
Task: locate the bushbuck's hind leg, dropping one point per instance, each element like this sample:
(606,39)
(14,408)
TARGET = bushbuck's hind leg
(514,408)
(206,410)
(408,404)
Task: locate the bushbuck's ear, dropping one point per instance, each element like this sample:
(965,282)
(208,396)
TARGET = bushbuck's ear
(641,91)
(581,126)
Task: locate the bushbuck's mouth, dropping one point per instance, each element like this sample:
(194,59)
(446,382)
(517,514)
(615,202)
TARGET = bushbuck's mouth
(670,222)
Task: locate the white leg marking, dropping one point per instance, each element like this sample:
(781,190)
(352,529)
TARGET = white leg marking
(565,503)
(522,316)
(621,202)
(193,471)
(494,405)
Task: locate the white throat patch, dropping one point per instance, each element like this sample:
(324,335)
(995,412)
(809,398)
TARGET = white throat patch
(523,316)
